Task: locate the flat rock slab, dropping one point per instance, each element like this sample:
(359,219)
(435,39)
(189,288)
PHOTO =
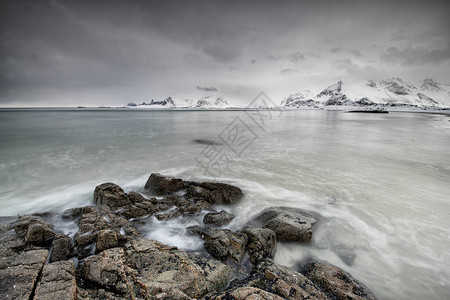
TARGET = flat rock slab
(166,270)
(289,224)
(336,281)
(18,273)
(58,282)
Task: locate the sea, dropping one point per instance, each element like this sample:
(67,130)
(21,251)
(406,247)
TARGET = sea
(379,182)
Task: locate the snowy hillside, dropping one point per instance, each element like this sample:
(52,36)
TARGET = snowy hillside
(387,92)
(210,102)
(207,102)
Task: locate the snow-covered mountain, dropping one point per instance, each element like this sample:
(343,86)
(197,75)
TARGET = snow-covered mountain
(387,92)
(210,102)
(206,102)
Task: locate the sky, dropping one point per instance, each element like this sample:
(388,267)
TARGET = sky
(70,53)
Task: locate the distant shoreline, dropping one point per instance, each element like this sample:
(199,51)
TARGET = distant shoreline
(443,111)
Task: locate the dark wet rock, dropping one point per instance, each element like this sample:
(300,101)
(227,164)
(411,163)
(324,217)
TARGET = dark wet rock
(18,273)
(107,270)
(58,282)
(168,215)
(262,243)
(76,212)
(89,225)
(218,218)
(336,281)
(191,206)
(22,224)
(163,185)
(289,224)
(107,239)
(111,195)
(215,192)
(212,192)
(136,198)
(40,234)
(244,293)
(11,243)
(281,281)
(61,249)
(174,274)
(222,243)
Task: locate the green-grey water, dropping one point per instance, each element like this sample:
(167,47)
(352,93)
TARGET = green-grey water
(379,181)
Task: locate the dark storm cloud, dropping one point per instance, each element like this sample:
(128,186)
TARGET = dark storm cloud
(106,52)
(207,89)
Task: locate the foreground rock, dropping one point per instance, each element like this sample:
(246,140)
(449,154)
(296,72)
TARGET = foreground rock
(163,185)
(336,281)
(166,270)
(19,273)
(223,243)
(110,194)
(278,282)
(35,229)
(262,243)
(114,262)
(289,224)
(212,192)
(58,282)
(218,218)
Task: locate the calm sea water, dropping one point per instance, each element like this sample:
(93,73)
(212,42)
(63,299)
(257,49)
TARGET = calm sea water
(381,182)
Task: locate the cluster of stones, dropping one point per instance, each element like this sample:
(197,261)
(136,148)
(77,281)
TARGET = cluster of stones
(109,259)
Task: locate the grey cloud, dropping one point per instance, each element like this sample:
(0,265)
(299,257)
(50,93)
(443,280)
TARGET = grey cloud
(356,53)
(253,61)
(222,52)
(416,55)
(274,57)
(336,50)
(288,71)
(296,56)
(358,71)
(207,89)
(57,49)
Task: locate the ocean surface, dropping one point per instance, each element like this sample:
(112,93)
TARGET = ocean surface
(380,182)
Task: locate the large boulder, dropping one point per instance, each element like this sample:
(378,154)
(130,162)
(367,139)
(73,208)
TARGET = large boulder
(163,185)
(11,243)
(218,218)
(172,273)
(107,270)
(215,192)
(110,194)
(289,224)
(107,239)
(18,273)
(222,243)
(276,282)
(336,281)
(61,249)
(40,234)
(262,243)
(92,222)
(58,282)
(35,229)
(244,293)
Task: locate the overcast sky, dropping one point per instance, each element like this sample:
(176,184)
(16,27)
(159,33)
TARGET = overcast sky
(61,53)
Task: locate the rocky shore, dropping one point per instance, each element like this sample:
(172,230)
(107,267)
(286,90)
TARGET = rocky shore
(109,258)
